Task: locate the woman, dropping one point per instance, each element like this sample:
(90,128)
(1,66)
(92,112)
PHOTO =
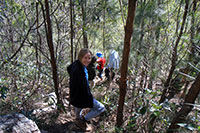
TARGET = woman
(80,94)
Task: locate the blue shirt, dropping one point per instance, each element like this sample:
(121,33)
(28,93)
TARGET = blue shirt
(86,74)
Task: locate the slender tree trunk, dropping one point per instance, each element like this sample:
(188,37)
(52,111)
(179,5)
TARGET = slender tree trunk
(72,29)
(192,29)
(104,22)
(85,40)
(174,56)
(51,50)
(187,106)
(125,58)
(143,3)
(38,42)
(121,9)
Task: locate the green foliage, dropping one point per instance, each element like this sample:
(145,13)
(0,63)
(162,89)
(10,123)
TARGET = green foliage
(132,126)
(119,130)
(26,77)
(143,110)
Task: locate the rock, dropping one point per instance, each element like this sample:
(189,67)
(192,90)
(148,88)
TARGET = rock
(17,123)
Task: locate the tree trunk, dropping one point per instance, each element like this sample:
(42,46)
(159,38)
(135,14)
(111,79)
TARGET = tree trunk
(38,44)
(85,40)
(121,9)
(187,106)
(51,50)
(174,56)
(125,58)
(192,33)
(72,29)
(103,26)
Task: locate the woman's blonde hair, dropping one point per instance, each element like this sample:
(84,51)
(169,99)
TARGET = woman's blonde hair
(83,52)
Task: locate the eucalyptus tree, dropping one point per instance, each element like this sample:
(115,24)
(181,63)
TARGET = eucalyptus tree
(84,20)
(154,32)
(72,28)
(149,47)
(49,36)
(125,59)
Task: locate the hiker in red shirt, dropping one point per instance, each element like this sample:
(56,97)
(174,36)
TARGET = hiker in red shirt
(101,61)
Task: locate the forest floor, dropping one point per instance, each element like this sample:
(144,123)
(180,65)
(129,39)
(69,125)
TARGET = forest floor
(63,122)
(138,107)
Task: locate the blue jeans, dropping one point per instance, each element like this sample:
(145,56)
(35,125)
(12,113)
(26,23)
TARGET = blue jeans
(97,109)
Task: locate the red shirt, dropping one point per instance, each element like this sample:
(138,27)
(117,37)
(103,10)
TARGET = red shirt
(101,61)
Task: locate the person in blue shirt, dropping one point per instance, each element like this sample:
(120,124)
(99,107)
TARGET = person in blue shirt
(80,94)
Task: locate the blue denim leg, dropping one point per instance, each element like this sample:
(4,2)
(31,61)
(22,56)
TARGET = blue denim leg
(97,109)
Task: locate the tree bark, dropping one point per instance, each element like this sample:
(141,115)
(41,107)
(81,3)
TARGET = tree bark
(187,106)
(85,40)
(72,29)
(38,42)
(49,36)
(121,9)
(103,26)
(125,59)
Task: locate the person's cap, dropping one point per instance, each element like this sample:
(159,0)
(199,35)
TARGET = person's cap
(99,54)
